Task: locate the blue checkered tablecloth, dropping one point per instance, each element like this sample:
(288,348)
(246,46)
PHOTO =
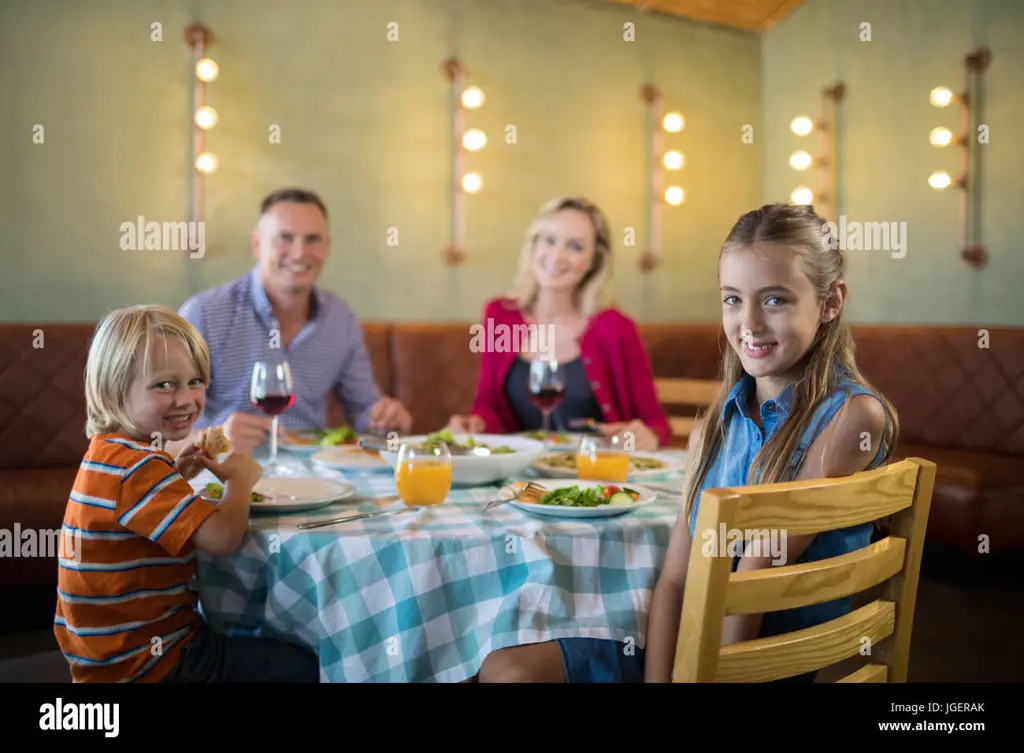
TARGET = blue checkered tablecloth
(424,596)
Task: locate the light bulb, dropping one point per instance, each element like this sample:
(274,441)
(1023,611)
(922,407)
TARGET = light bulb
(939,180)
(206,70)
(941,96)
(673,160)
(674,195)
(472,182)
(206,117)
(802,196)
(474,140)
(802,126)
(673,122)
(940,137)
(472,98)
(206,163)
(800,161)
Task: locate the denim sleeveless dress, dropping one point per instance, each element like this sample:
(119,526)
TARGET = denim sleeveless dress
(595,660)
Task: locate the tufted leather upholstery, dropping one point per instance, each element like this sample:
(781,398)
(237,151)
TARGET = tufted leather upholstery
(959,404)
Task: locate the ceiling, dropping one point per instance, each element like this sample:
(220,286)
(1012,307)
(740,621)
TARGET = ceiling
(750,15)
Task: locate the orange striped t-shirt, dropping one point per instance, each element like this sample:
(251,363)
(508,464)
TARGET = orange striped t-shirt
(126,603)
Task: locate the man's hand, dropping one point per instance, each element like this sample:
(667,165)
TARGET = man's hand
(246,432)
(644,439)
(389,415)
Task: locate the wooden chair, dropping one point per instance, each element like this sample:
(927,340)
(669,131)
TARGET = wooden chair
(694,393)
(902,490)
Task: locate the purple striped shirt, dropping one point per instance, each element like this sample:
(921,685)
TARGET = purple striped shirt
(328,354)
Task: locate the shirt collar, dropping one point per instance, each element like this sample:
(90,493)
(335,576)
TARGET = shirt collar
(739,400)
(261,302)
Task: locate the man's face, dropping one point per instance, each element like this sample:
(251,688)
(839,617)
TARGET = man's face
(291,244)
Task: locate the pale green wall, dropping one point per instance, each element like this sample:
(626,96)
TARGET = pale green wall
(365,122)
(885,157)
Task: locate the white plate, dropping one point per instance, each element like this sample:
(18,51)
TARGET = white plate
(306,448)
(673,463)
(604,511)
(350,458)
(310,492)
(479,471)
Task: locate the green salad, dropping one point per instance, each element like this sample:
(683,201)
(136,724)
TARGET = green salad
(448,438)
(591,496)
(216,491)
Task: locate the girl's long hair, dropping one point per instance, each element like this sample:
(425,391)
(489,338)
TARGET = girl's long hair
(828,362)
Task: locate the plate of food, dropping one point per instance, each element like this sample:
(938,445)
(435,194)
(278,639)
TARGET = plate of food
(641,464)
(555,440)
(500,456)
(350,458)
(313,440)
(579,499)
(278,495)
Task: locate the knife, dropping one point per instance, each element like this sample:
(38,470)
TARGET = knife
(347,518)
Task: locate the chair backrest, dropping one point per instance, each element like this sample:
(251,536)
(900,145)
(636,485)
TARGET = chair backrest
(900,491)
(692,393)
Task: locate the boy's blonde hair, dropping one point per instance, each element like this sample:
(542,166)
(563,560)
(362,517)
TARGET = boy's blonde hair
(827,362)
(591,295)
(113,361)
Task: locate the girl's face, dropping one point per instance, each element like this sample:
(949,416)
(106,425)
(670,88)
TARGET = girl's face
(770,310)
(564,250)
(164,403)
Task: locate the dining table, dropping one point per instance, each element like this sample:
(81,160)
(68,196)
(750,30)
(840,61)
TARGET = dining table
(425,595)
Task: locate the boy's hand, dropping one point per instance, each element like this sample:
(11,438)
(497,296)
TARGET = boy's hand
(238,467)
(190,462)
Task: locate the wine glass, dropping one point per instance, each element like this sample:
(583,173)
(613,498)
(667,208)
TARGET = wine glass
(547,387)
(423,473)
(271,392)
(602,458)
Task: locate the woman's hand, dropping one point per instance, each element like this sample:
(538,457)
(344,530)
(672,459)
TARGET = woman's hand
(467,424)
(644,439)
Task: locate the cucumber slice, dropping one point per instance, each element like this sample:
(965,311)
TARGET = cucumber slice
(620,498)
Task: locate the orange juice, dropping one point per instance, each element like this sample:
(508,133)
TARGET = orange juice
(603,466)
(423,482)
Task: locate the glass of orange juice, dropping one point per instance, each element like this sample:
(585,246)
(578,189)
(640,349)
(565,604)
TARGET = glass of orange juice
(603,459)
(423,473)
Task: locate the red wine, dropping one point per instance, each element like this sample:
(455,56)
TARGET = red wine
(547,398)
(274,405)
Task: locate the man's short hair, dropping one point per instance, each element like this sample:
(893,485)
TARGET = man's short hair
(297,195)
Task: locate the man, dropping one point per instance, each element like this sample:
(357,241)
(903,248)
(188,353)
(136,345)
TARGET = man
(277,310)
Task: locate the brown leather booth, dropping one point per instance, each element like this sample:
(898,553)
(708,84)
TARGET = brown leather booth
(960,404)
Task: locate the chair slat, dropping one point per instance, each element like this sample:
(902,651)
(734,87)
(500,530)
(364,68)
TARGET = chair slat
(813,506)
(687,391)
(790,586)
(867,673)
(778,657)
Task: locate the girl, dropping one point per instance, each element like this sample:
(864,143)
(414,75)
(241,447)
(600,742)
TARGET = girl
(126,602)
(564,267)
(793,406)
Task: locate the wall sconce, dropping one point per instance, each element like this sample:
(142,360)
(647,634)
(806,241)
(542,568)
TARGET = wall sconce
(673,122)
(975,62)
(828,191)
(472,140)
(204,117)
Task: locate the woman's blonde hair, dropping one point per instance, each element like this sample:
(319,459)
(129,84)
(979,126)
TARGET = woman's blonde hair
(113,361)
(828,362)
(591,295)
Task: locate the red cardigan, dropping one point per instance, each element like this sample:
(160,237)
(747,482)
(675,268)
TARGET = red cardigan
(615,360)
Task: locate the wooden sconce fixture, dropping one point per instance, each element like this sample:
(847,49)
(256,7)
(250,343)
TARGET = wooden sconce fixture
(828,188)
(472,140)
(204,117)
(672,160)
(971,135)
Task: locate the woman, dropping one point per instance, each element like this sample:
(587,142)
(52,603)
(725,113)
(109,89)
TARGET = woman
(563,269)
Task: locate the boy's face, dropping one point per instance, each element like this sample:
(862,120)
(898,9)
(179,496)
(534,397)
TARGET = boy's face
(770,310)
(166,402)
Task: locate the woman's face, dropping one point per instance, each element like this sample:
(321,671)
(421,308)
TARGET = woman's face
(564,250)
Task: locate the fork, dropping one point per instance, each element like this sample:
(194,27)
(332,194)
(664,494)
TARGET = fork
(535,490)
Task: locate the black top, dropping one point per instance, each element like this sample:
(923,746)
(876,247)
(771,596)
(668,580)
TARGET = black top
(579,400)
